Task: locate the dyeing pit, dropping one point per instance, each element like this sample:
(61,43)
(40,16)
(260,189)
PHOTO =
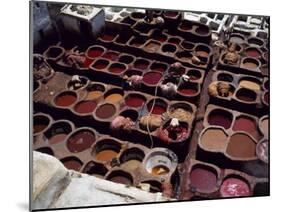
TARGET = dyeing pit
(94,52)
(105,150)
(247,124)
(159,107)
(234,187)
(72,163)
(141,64)
(131,159)
(203,178)
(241,146)
(40,123)
(214,139)
(105,111)
(114,95)
(221,118)
(264,124)
(117,68)
(135,100)
(246,95)
(95,91)
(65,99)
(160,67)
(80,140)
(58,131)
(152,46)
(250,85)
(85,107)
(100,64)
(120,177)
(152,77)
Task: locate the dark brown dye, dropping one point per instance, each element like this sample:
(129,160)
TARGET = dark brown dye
(246,95)
(72,164)
(141,64)
(65,100)
(110,55)
(121,179)
(220,118)
(174,40)
(247,125)
(100,64)
(203,180)
(194,74)
(80,141)
(135,101)
(105,111)
(57,138)
(158,67)
(152,77)
(39,127)
(171,14)
(202,30)
(241,146)
(107,37)
(126,59)
(85,107)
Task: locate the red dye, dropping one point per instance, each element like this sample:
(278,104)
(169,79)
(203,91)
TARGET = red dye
(188,91)
(234,187)
(85,107)
(116,69)
(171,14)
(152,78)
(220,120)
(107,37)
(266,98)
(141,65)
(203,179)
(253,53)
(65,100)
(87,62)
(95,53)
(111,56)
(80,141)
(245,98)
(245,124)
(157,109)
(134,101)
(100,65)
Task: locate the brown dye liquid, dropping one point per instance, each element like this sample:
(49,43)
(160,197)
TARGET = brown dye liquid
(160,170)
(85,107)
(72,164)
(188,91)
(250,65)
(65,100)
(214,139)
(250,85)
(220,119)
(94,95)
(111,56)
(264,126)
(202,53)
(114,98)
(247,125)
(105,111)
(121,179)
(131,165)
(241,146)
(80,141)
(38,128)
(57,138)
(106,155)
(252,53)
(152,78)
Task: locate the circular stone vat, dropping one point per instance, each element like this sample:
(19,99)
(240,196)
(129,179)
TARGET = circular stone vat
(129,113)
(202,30)
(253,52)
(250,83)
(241,146)
(95,91)
(181,111)
(85,107)
(95,169)
(250,63)
(108,37)
(72,162)
(169,48)
(236,38)
(117,68)
(185,25)
(187,45)
(225,77)
(161,67)
(247,124)
(262,150)
(160,161)
(65,98)
(178,135)
(188,89)
(127,59)
(135,100)
(58,132)
(40,123)
(202,51)
(246,95)
(159,107)
(141,64)
(94,51)
(213,139)
(45,150)
(105,111)
(219,117)
(131,159)
(152,77)
(114,95)
(154,186)
(203,178)
(80,140)
(266,97)
(235,187)
(194,74)
(105,150)
(100,64)
(120,176)
(171,14)
(110,55)
(255,41)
